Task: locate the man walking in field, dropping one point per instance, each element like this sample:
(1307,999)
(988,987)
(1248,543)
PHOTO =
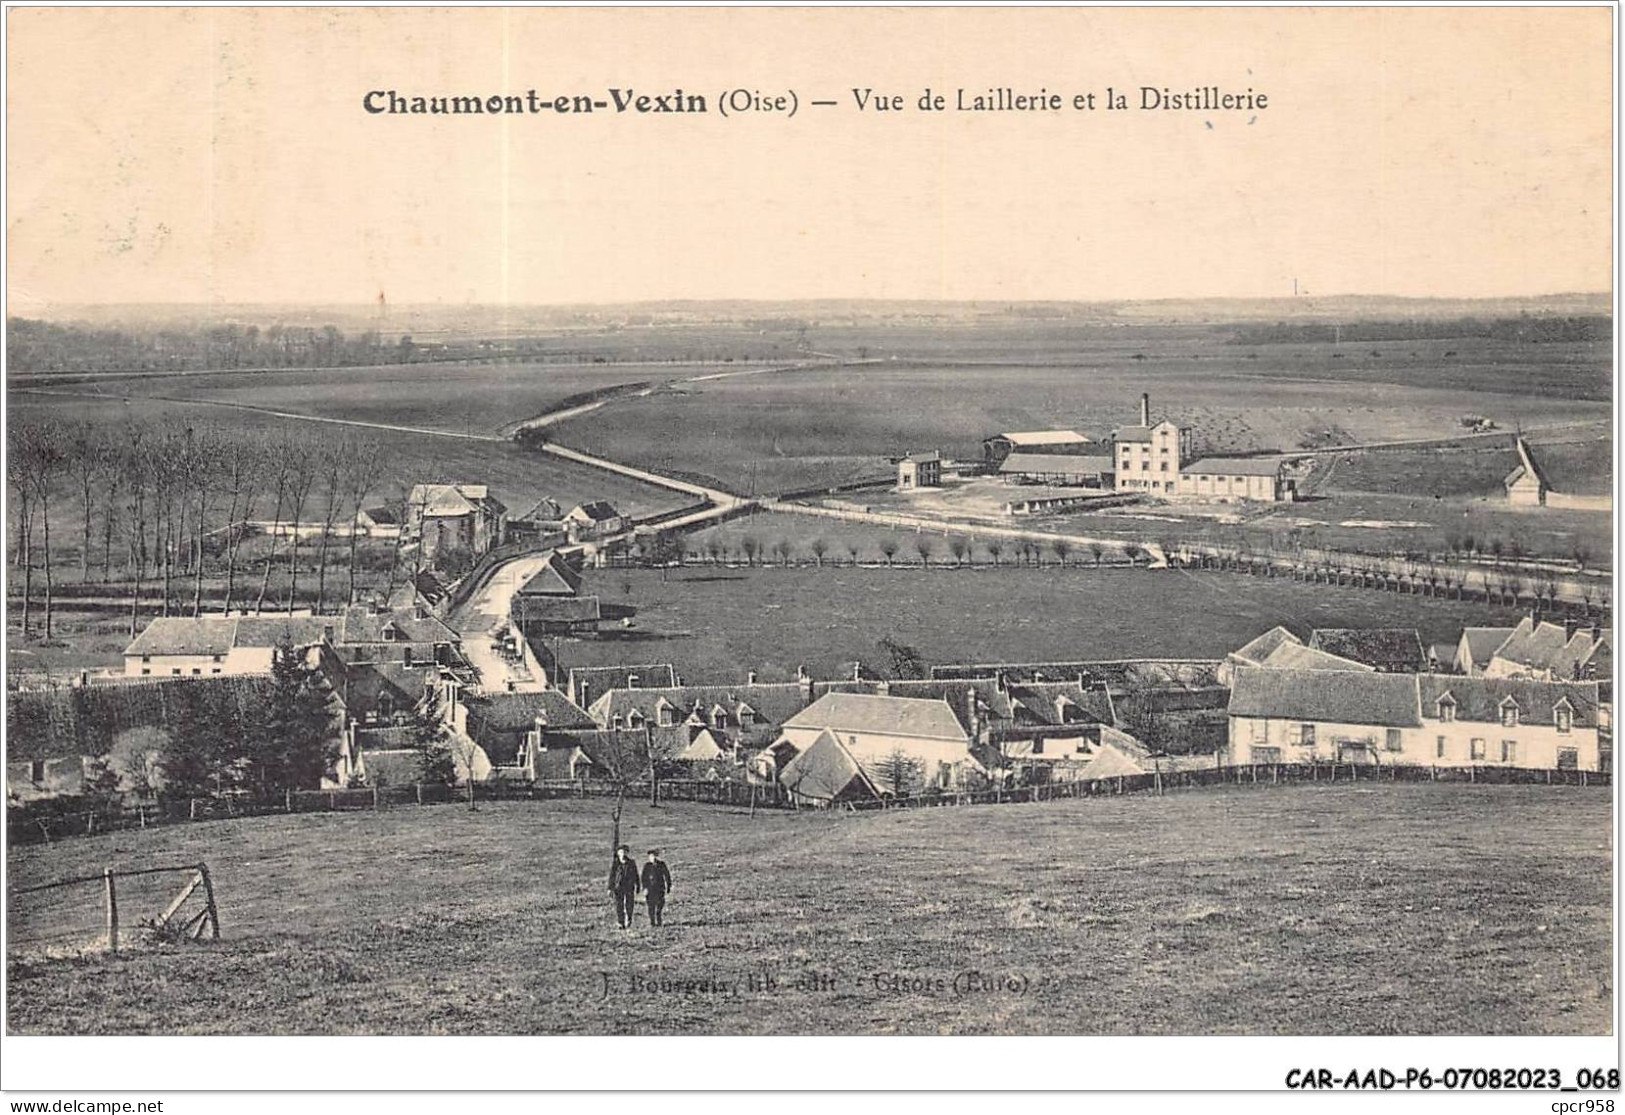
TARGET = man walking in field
(656,885)
(623,885)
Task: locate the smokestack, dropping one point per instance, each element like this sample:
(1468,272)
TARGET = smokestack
(1145,409)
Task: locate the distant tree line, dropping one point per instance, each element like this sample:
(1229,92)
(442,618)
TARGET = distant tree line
(161,507)
(1526,328)
(43,346)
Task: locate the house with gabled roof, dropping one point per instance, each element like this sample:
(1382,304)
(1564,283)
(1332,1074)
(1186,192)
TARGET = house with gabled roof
(210,646)
(588,683)
(1418,719)
(872,729)
(1389,650)
(595,519)
(443,517)
(556,577)
(1477,647)
(1553,652)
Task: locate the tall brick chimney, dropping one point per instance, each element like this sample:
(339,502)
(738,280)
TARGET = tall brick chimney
(1145,408)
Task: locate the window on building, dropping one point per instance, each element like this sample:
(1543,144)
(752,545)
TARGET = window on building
(176,671)
(218,658)
(1568,758)
(1509,713)
(1447,710)
(1266,755)
(146,658)
(1438,748)
(1475,749)
(1306,735)
(216,670)
(617,722)
(1565,719)
(668,716)
(1395,741)
(1261,731)
(1038,747)
(1509,751)
(1164,466)
(146,673)
(197,670)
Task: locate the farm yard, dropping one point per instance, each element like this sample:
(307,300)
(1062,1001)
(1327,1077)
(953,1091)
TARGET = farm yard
(715,623)
(1230,910)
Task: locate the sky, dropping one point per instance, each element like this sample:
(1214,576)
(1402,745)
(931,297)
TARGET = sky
(196,156)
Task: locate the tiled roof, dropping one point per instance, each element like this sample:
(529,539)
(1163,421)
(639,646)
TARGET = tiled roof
(554,578)
(1549,646)
(924,458)
(559,609)
(772,704)
(897,716)
(360,624)
(1260,648)
(827,771)
(518,711)
(1064,463)
(1483,642)
(1394,649)
(1235,466)
(1295,656)
(1480,699)
(1328,696)
(598,510)
(451,500)
(601,679)
(218,634)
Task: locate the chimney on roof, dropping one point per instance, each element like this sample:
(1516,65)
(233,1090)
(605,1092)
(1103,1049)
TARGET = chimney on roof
(975,713)
(631,681)
(1145,409)
(801,673)
(805,683)
(750,677)
(584,693)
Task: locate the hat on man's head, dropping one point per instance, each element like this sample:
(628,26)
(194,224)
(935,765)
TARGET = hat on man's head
(622,848)
(654,851)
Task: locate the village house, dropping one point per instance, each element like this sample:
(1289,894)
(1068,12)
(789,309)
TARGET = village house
(542,525)
(739,718)
(1476,648)
(996,448)
(1525,485)
(1148,457)
(446,517)
(1296,716)
(873,732)
(919,470)
(595,520)
(1553,652)
(382,521)
(207,646)
(1389,650)
(587,683)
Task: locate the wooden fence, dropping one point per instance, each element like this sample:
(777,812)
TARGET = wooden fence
(38,921)
(1160,782)
(54,819)
(27,827)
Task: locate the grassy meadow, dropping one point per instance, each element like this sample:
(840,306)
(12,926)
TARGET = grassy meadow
(1236,910)
(829,426)
(715,623)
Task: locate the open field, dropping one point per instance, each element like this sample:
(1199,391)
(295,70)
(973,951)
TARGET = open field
(716,623)
(828,426)
(516,477)
(1234,910)
(461,398)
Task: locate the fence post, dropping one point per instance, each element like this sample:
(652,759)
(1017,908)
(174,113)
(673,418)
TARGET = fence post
(375,799)
(112,909)
(192,811)
(419,787)
(287,799)
(90,824)
(208,898)
(141,811)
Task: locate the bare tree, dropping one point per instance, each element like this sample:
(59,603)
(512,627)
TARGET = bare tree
(995,549)
(925,546)
(279,469)
(301,478)
(1062,548)
(888,549)
(959,547)
(781,547)
(242,462)
(330,468)
(819,548)
(20,476)
(1097,549)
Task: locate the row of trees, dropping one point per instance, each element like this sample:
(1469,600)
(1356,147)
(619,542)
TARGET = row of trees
(925,547)
(161,507)
(43,346)
(221,739)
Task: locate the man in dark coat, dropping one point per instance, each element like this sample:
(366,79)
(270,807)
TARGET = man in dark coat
(656,885)
(623,885)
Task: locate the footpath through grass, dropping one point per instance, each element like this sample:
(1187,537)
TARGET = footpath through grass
(1408,909)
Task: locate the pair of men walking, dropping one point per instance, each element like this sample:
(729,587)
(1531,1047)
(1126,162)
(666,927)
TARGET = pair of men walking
(625,881)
